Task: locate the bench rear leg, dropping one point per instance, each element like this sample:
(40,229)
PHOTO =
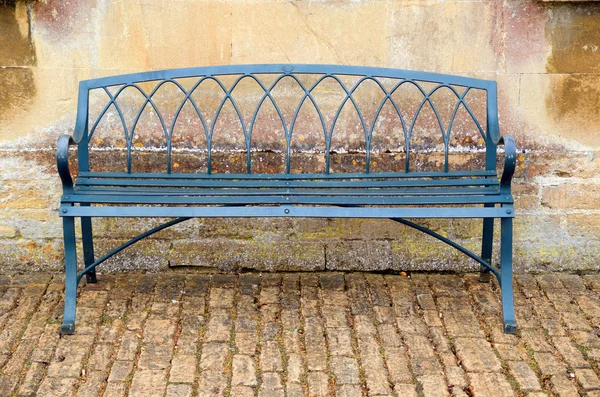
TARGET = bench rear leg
(88,248)
(68,324)
(506,275)
(487,244)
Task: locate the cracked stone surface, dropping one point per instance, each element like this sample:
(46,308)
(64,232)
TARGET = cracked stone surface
(300,334)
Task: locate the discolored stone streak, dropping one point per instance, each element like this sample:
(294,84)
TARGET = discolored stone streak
(16,43)
(17,54)
(573,34)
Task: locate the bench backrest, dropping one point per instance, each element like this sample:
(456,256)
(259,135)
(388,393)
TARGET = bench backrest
(385,90)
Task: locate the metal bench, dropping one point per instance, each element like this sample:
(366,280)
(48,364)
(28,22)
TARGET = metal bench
(395,195)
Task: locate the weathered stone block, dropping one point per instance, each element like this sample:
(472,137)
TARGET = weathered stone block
(256,254)
(569,103)
(334,32)
(147,254)
(444,35)
(584,225)
(358,255)
(7,231)
(572,196)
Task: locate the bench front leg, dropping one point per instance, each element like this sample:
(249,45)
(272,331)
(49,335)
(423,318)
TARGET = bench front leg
(87,239)
(68,325)
(487,245)
(506,275)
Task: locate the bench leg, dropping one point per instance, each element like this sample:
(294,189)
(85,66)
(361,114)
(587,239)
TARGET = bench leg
(88,248)
(487,244)
(68,324)
(506,275)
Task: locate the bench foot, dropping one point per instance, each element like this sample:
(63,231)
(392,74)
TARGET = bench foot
(67,329)
(510,327)
(91,278)
(484,276)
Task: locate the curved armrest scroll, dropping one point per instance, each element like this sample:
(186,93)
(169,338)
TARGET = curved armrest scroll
(62,162)
(510,161)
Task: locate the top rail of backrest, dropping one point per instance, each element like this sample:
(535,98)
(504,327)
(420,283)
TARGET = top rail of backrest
(444,80)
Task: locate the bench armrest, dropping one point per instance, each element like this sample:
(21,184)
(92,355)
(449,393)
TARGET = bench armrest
(62,162)
(510,162)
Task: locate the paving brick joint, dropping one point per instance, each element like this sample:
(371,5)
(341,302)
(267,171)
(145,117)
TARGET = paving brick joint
(300,334)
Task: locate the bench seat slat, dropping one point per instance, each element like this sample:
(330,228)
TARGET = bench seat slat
(283,199)
(273,177)
(290,184)
(295,192)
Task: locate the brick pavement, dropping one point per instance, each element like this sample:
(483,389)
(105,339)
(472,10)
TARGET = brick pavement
(300,334)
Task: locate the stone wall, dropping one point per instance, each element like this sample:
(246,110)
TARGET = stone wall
(545,56)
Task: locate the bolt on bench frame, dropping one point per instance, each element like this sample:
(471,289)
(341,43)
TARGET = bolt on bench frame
(398,196)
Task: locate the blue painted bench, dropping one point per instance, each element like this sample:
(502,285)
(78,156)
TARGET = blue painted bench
(396,195)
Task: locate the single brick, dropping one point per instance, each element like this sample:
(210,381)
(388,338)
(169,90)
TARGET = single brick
(212,384)
(490,384)
(477,355)
(246,342)
(563,386)
(345,370)
(32,379)
(100,358)
(242,391)
(295,368)
(340,341)
(155,357)
(93,384)
(434,386)
(179,390)
(149,383)
(570,353)
(129,346)
(120,371)
(115,389)
(397,365)
(219,326)
(52,387)
(524,375)
(243,371)
(549,364)
(270,357)
(588,379)
(352,391)
(271,385)
(183,368)
(213,356)
(318,384)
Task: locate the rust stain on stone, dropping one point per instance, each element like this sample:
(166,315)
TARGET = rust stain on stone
(16,54)
(524,41)
(574,32)
(18,90)
(574,97)
(16,47)
(63,17)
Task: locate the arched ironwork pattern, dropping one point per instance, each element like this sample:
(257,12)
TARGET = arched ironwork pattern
(426,84)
